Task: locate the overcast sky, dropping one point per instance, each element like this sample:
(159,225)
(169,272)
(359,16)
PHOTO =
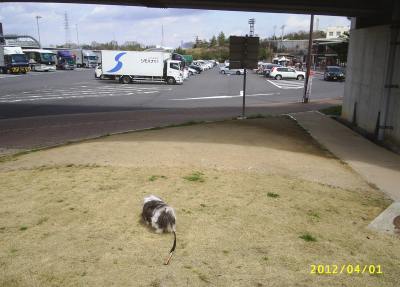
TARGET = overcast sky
(103,23)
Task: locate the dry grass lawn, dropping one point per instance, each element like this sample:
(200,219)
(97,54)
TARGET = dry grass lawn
(70,216)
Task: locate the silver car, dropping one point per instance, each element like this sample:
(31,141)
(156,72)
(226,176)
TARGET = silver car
(225,70)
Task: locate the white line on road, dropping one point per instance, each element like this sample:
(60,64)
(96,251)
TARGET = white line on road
(64,96)
(223,97)
(287,84)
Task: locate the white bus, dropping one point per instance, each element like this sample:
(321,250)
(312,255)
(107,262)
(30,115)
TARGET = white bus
(41,60)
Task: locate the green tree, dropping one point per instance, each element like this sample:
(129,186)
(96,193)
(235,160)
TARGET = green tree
(213,41)
(179,51)
(221,39)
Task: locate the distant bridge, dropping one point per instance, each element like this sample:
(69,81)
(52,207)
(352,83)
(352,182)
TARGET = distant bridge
(24,41)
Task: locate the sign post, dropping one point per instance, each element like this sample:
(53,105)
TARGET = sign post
(243,54)
(307,88)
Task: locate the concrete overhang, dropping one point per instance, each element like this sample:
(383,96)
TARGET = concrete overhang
(351,8)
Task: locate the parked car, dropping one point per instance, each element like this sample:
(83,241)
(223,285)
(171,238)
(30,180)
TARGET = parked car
(268,67)
(335,73)
(98,74)
(192,71)
(280,73)
(225,70)
(197,68)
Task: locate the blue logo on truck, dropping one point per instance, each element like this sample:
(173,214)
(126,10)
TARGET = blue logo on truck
(118,66)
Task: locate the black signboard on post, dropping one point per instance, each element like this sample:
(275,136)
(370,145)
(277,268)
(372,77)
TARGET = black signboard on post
(243,54)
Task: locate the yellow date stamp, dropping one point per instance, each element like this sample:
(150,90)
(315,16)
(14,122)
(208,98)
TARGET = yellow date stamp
(348,269)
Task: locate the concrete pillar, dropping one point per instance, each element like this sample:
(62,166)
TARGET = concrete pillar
(371,96)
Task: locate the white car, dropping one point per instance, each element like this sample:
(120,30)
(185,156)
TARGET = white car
(185,73)
(225,70)
(200,65)
(192,71)
(98,72)
(279,73)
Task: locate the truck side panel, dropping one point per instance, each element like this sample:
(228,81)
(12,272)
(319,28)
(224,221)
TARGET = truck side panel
(149,64)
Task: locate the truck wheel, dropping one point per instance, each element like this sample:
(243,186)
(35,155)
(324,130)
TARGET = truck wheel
(171,81)
(125,79)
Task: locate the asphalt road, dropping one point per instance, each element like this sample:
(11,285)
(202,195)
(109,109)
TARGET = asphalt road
(71,92)
(46,109)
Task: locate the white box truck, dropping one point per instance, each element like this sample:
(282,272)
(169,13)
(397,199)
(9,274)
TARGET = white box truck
(135,66)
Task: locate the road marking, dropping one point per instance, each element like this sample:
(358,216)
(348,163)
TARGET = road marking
(223,97)
(8,76)
(74,93)
(287,84)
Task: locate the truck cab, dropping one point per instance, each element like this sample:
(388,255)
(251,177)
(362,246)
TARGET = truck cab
(65,60)
(174,74)
(89,59)
(15,61)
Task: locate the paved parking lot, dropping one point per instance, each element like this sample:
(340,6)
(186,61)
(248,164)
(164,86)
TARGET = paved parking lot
(45,109)
(68,92)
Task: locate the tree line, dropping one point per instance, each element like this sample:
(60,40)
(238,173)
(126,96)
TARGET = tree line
(217,47)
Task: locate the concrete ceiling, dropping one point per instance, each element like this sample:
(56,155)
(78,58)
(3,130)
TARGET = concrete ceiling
(366,8)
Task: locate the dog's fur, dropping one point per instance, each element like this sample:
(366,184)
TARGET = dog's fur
(161,217)
(158,214)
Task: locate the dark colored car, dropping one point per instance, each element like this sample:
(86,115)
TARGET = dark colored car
(197,68)
(334,73)
(268,69)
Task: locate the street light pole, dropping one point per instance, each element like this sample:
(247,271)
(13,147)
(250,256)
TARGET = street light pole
(77,35)
(37,23)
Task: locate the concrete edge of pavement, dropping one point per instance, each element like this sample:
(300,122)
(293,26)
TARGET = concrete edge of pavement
(374,163)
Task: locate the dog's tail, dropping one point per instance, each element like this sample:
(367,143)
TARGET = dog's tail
(171,252)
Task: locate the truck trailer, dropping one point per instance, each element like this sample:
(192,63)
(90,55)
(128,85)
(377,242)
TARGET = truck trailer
(138,66)
(13,60)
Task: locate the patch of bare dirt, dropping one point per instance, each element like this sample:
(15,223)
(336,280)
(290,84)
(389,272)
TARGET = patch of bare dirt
(70,216)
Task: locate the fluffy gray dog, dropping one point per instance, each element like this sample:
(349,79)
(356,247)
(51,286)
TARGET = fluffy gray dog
(161,217)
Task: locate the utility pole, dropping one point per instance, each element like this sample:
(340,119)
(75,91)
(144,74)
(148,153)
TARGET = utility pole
(306,95)
(77,35)
(162,35)
(283,29)
(66,27)
(37,23)
(274,32)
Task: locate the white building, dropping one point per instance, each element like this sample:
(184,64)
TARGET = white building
(336,31)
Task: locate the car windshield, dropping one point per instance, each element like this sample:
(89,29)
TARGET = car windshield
(335,70)
(18,58)
(47,57)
